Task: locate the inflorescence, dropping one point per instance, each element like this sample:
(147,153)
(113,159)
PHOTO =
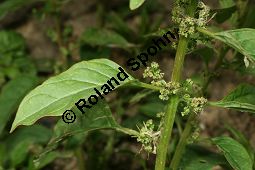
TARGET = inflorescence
(186,23)
(147,136)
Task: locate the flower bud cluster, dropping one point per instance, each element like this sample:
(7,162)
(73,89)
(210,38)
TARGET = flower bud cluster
(195,104)
(153,72)
(186,23)
(167,88)
(148,137)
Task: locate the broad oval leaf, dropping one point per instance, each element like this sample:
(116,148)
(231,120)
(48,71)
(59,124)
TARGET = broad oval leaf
(235,153)
(61,92)
(242,40)
(134,4)
(242,99)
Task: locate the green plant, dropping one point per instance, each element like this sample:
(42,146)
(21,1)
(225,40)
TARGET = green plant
(177,101)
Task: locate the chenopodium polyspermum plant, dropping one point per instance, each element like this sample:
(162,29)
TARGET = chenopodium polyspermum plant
(59,93)
(147,136)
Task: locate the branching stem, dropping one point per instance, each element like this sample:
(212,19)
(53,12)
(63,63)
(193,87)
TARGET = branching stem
(174,100)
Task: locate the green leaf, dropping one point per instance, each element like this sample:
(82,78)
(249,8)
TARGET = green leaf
(242,40)
(197,157)
(234,152)
(242,140)
(242,99)
(99,117)
(50,157)
(88,53)
(248,21)
(18,143)
(11,41)
(103,37)
(12,94)
(134,4)
(206,53)
(120,25)
(60,93)
(226,3)
(224,14)
(12,5)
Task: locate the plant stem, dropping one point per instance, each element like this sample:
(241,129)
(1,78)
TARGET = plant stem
(174,100)
(145,85)
(182,143)
(171,107)
(127,131)
(166,133)
(206,32)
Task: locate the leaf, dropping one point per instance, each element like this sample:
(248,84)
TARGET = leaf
(226,3)
(50,157)
(99,117)
(242,140)
(224,14)
(88,53)
(103,37)
(11,41)
(60,93)
(12,94)
(134,4)
(206,53)
(197,157)
(12,5)
(242,99)
(248,20)
(234,152)
(242,40)
(120,25)
(18,143)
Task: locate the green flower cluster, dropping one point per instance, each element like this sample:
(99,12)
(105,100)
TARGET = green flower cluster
(148,137)
(153,72)
(195,104)
(167,88)
(186,23)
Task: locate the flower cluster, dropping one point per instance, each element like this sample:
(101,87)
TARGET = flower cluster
(195,104)
(204,14)
(148,137)
(153,72)
(167,88)
(186,23)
